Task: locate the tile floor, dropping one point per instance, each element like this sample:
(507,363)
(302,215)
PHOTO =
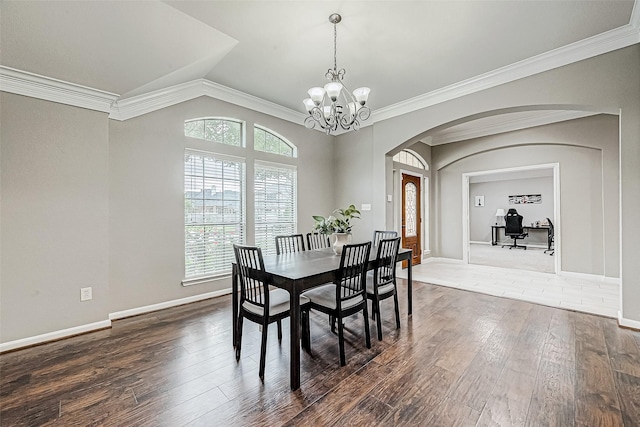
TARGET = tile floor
(593,296)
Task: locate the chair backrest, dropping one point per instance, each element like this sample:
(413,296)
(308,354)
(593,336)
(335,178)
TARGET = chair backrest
(351,279)
(385,271)
(253,284)
(513,222)
(383,234)
(317,241)
(288,244)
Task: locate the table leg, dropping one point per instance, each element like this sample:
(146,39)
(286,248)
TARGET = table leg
(294,367)
(410,286)
(234,304)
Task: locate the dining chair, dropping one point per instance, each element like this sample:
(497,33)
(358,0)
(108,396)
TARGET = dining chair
(261,305)
(382,283)
(383,234)
(317,241)
(290,243)
(347,294)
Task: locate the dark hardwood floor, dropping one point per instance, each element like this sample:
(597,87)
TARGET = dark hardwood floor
(461,359)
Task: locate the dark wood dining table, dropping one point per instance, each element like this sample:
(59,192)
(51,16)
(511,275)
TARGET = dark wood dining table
(299,271)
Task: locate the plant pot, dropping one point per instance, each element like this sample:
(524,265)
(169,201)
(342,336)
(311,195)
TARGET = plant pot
(340,239)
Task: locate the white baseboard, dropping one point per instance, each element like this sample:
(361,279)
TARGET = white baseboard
(476,242)
(587,276)
(103,324)
(55,335)
(628,323)
(167,304)
(440,259)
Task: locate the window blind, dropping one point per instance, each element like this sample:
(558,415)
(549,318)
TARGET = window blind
(214,212)
(275,189)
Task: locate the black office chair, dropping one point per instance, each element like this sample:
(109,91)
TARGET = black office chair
(383,234)
(261,305)
(317,241)
(347,295)
(288,244)
(551,239)
(513,228)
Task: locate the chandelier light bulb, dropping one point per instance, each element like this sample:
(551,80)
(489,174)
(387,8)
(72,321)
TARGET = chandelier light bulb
(333,90)
(362,94)
(309,104)
(316,94)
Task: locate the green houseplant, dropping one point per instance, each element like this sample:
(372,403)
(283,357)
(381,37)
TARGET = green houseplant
(338,224)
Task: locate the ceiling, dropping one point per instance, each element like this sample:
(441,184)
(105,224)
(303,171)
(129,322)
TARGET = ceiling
(275,51)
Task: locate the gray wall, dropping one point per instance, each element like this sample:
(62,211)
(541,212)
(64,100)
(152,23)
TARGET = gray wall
(54,219)
(496,195)
(88,201)
(608,82)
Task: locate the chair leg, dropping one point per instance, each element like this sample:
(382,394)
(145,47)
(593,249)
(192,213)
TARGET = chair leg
(376,307)
(343,359)
(306,332)
(366,325)
(239,337)
(332,322)
(373,309)
(279,331)
(263,349)
(395,300)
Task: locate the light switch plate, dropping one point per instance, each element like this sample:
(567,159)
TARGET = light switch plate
(365,207)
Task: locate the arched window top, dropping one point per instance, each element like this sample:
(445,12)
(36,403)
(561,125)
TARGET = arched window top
(216,129)
(411,158)
(270,142)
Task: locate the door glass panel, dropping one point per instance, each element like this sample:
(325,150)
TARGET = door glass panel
(410,193)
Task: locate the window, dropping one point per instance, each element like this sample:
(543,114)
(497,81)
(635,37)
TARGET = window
(214,212)
(410,158)
(269,142)
(223,131)
(275,201)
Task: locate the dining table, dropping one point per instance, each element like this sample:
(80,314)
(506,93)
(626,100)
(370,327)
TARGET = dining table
(297,272)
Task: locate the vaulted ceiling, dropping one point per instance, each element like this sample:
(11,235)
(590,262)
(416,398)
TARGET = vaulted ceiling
(276,50)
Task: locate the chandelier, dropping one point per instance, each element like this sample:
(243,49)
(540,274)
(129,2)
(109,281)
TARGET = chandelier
(333,105)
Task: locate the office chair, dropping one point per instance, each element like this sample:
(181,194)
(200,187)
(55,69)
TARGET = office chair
(513,228)
(551,239)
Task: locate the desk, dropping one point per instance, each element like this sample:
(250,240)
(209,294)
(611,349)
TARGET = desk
(296,272)
(495,228)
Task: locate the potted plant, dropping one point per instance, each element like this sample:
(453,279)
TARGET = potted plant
(338,225)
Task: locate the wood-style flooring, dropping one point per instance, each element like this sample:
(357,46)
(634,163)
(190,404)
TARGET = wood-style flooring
(462,358)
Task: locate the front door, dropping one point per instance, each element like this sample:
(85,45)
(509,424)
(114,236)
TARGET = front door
(411,217)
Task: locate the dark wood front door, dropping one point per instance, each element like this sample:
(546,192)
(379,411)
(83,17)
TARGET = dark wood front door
(411,217)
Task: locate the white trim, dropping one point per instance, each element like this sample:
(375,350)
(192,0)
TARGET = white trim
(628,323)
(128,108)
(556,208)
(50,89)
(205,279)
(167,304)
(441,259)
(599,44)
(476,242)
(55,335)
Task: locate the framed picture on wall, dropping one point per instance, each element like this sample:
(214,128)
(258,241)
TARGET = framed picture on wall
(525,199)
(479,201)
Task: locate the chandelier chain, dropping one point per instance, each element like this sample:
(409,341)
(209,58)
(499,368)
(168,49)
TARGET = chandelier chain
(335,48)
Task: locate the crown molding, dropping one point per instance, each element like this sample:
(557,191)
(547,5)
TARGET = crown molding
(128,108)
(618,38)
(508,125)
(50,89)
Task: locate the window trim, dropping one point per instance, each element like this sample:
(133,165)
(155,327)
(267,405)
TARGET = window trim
(243,130)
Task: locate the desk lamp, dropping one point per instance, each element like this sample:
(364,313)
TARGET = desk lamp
(499,214)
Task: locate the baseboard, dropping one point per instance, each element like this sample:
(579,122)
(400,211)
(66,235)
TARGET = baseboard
(167,304)
(587,276)
(628,323)
(475,242)
(54,336)
(440,259)
(104,324)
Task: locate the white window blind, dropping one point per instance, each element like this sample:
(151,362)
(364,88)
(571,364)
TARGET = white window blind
(275,200)
(214,212)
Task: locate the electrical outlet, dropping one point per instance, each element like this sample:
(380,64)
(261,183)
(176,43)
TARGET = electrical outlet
(86,294)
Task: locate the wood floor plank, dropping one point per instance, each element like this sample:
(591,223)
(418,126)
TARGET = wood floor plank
(460,359)
(596,398)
